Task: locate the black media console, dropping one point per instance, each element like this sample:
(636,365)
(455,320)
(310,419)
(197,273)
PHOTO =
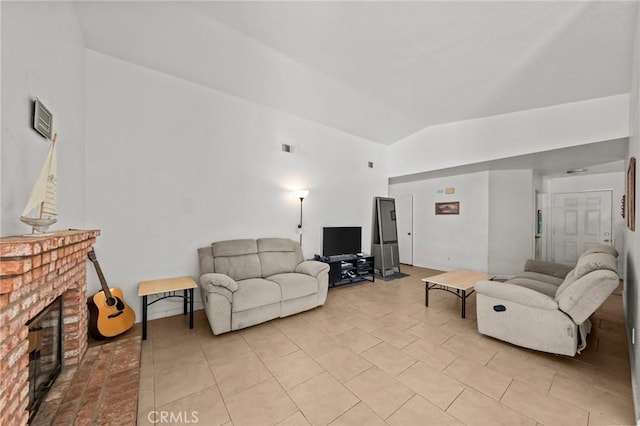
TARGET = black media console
(349,269)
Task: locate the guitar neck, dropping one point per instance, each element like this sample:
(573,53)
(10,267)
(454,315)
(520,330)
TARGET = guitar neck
(103,281)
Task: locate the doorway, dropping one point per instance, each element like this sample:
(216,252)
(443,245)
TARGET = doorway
(539,243)
(581,220)
(404,213)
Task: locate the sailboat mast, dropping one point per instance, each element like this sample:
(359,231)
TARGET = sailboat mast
(53,143)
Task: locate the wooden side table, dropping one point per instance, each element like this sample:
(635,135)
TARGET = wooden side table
(167,287)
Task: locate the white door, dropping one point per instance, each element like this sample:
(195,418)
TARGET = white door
(404,216)
(580,220)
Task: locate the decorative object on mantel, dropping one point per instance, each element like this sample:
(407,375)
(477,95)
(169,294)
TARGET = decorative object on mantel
(631,194)
(43,195)
(452,207)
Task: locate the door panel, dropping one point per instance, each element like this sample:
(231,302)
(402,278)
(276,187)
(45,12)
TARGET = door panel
(404,212)
(571,222)
(592,223)
(581,220)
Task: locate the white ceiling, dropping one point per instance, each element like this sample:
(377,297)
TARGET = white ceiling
(594,158)
(378,70)
(385,70)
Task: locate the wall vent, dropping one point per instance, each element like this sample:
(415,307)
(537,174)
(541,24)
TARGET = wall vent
(287,148)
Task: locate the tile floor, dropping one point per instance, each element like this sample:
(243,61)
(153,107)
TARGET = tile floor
(375,355)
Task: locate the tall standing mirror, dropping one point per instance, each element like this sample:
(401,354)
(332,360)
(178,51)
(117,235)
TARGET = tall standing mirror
(384,237)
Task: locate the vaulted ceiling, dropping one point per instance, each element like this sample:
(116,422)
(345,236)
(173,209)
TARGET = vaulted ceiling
(378,70)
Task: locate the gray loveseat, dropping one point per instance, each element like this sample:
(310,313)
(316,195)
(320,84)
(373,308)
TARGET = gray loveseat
(247,282)
(540,310)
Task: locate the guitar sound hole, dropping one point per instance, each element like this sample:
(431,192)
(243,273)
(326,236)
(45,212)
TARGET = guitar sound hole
(111,301)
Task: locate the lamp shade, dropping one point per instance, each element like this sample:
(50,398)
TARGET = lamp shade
(301,193)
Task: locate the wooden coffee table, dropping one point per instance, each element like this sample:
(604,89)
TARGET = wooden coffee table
(455,282)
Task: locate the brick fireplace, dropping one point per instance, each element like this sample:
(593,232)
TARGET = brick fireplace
(34,271)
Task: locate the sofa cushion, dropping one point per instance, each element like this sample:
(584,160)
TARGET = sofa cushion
(277,256)
(234,248)
(540,277)
(602,249)
(539,286)
(581,299)
(280,244)
(571,278)
(295,285)
(255,292)
(557,270)
(275,244)
(277,263)
(593,262)
(237,258)
(239,267)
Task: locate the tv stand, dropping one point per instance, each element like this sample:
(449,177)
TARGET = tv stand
(349,268)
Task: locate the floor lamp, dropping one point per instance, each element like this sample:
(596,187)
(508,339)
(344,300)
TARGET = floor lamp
(301,194)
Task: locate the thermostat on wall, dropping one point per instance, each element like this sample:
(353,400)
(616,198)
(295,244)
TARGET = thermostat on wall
(42,119)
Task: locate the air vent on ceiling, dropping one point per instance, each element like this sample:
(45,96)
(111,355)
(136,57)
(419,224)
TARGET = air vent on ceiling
(287,148)
(370,164)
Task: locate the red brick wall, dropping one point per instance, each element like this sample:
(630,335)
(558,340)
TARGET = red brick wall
(33,272)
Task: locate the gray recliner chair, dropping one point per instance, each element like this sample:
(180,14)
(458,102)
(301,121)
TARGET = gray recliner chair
(539,313)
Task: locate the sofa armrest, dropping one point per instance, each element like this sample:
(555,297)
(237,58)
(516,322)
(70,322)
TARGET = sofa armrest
(218,280)
(312,267)
(557,270)
(514,293)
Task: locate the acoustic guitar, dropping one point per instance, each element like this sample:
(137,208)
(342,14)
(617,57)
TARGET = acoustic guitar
(109,315)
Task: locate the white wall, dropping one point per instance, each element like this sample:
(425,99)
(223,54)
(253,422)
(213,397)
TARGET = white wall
(632,249)
(511,220)
(173,166)
(596,182)
(42,56)
(448,242)
(509,135)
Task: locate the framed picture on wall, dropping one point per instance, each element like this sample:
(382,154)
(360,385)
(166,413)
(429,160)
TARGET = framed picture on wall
(631,194)
(451,207)
(42,119)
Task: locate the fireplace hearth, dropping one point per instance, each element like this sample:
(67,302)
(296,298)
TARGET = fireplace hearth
(34,272)
(45,353)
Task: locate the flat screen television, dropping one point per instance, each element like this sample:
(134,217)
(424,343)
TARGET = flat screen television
(341,240)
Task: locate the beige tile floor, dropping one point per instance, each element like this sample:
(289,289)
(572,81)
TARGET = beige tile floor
(375,355)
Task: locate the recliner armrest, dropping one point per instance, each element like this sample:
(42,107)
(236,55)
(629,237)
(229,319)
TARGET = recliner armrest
(514,293)
(558,270)
(219,280)
(312,267)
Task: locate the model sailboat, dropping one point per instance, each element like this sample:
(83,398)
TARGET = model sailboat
(43,195)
